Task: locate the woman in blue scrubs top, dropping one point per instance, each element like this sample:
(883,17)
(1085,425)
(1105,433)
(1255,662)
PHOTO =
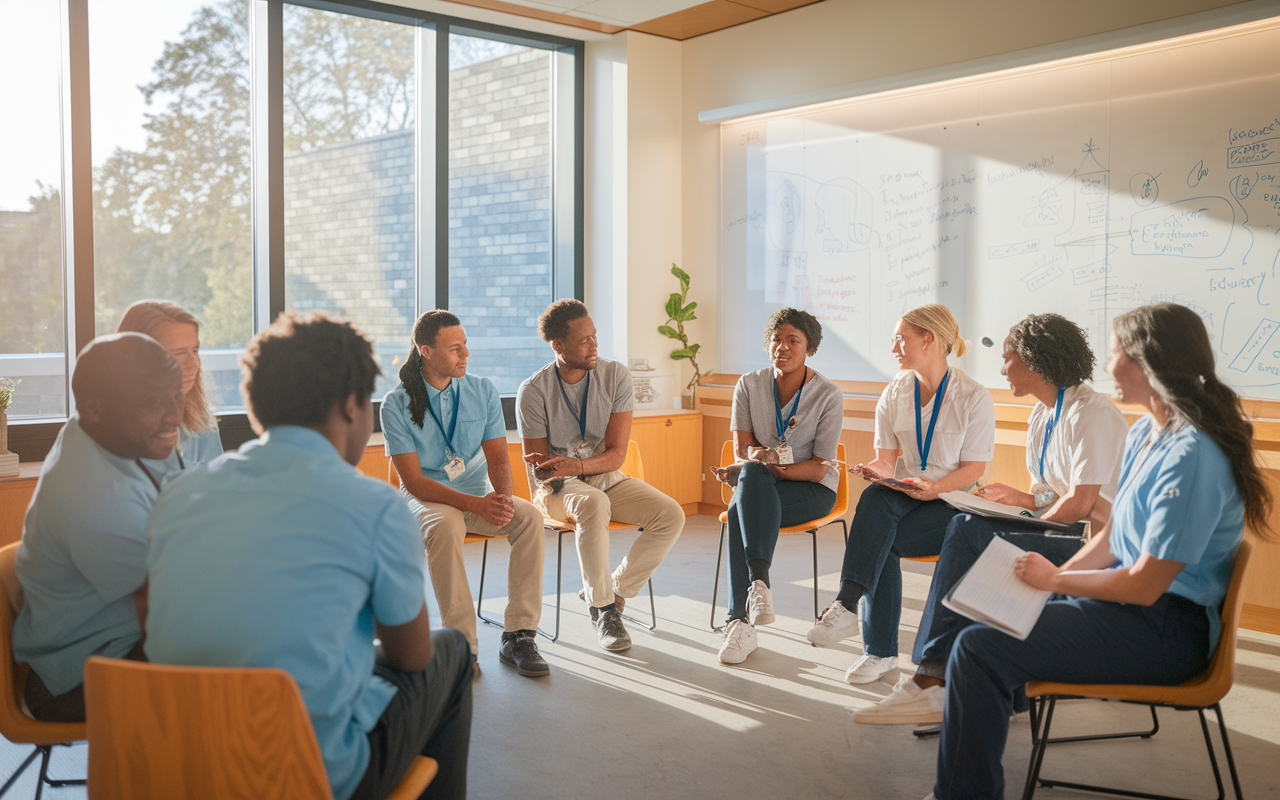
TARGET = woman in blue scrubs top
(1141,602)
(178,331)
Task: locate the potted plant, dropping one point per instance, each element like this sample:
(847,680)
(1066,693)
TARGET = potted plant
(6,399)
(680,311)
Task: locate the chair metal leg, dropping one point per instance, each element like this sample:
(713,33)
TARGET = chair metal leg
(1155,728)
(559,576)
(715,584)
(484,562)
(1226,746)
(844,526)
(1033,775)
(653,611)
(814,534)
(1039,739)
(22,768)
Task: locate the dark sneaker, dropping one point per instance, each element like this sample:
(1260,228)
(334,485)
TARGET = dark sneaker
(609,629)
(520,651)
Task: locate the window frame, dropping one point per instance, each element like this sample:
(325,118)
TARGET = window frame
(32,440)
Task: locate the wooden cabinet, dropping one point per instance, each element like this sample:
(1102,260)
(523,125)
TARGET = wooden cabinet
(15,496)
(671,449)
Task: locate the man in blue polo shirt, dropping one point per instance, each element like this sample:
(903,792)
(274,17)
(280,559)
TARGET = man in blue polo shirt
(83,551)
(282,555)
(445,433)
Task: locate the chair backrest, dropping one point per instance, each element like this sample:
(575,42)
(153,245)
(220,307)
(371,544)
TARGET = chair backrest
(1214,683)
(159,731)
(727,457)
(15,724)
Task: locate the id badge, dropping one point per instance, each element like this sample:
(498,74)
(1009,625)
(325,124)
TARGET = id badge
(454,467)
(785,456)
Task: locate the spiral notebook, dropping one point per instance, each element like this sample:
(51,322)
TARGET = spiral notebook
(992,594)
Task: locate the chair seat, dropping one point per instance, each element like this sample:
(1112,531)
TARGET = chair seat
(922,559)
(1199,691)
(478,537)
(421,772)
(812,524)
(568,527)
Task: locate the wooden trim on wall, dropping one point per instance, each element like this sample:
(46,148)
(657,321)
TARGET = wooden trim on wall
(1260,618)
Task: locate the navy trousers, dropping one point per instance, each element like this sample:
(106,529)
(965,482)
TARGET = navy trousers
(1077,640)
(887,526)
(761,505)
(967,536)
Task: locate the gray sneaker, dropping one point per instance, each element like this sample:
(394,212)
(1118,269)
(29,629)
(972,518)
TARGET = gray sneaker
(609,629)
(521,651)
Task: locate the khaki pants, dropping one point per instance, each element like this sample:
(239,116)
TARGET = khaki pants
(631,501)
(444,527)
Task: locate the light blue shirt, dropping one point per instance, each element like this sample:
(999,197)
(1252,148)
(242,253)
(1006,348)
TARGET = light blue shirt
(83,555)
(479,420)
(1179,502)
(282,555)
(196,448)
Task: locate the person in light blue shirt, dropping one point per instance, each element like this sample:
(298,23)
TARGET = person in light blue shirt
(83,551)
(178,331)
(282,555)
(1141,602)
(445,434)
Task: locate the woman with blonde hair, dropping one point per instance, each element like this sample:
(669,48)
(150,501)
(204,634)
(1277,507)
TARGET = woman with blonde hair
(178,331)
(935,433)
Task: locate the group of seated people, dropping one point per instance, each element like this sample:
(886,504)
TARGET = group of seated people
(1137,602)
(144,541)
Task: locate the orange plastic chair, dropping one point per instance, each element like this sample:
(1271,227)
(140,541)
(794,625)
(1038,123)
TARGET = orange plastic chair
(836,514)
(1201,692)
(15,724)
(632,467)
(200,733)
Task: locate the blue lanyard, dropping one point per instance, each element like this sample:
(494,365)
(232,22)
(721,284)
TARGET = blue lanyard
(453,423)
(586,391)
(1048,430)
(795,406)
(924,446)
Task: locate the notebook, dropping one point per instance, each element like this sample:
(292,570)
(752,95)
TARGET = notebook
(971,503)
(992,594)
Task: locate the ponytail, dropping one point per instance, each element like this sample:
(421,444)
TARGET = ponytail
(424,332)
(414,386)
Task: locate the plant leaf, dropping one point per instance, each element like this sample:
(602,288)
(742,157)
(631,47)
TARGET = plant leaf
(684,352)
(673,306)
(668,331)
(695,348)
(683,278)
(686,313)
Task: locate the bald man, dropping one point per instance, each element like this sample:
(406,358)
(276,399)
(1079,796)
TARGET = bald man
(83,553)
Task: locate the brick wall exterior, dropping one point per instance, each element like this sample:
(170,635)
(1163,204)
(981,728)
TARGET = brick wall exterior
(349,221)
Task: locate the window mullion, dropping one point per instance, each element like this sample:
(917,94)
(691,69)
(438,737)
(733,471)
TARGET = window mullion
(77,185)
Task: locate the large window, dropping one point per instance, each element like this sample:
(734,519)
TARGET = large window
(254,155)
(31,294)
(171,168)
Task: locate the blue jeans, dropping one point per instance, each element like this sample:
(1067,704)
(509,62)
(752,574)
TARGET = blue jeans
(887,526)
(761,505)
(1077,640)
(967,536)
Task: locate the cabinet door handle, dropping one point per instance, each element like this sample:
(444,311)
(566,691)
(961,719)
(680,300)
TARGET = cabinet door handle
(668,422)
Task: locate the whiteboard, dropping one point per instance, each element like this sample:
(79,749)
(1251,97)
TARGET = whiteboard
(1085,189)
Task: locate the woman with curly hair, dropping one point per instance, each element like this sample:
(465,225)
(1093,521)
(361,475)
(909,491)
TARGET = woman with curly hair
(1075,438)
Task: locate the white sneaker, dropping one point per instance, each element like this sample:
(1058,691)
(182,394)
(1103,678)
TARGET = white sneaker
(739,642)
(760,604)
(907,704)
(869,669)
(836,623)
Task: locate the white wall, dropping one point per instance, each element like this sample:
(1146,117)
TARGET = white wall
(836,42)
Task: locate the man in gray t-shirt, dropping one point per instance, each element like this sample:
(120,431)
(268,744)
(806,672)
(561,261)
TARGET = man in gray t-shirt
(574,418)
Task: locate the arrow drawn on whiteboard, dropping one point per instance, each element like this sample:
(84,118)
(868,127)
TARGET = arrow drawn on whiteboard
(1240,189)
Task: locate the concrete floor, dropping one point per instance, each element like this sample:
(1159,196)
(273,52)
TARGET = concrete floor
(664,720)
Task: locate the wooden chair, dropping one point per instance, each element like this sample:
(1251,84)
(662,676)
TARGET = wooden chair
(1201,692)
(632,467)
(200,733)
(15,724)
(393,478)
(727,457)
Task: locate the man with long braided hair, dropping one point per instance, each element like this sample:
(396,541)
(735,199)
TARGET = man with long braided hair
(445,433)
